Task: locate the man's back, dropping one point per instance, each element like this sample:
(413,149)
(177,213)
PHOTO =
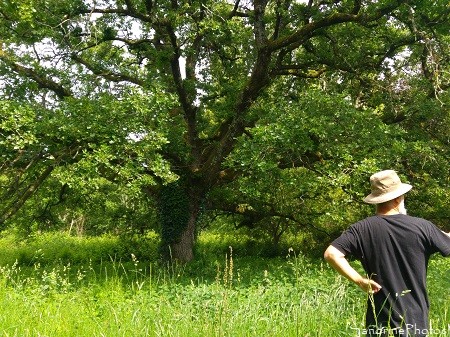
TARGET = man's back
(394,251)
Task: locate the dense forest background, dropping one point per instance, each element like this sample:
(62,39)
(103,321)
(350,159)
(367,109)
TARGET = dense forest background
(264,117)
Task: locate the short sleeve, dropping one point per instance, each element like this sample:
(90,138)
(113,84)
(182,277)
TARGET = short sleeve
(348,242)
(439,241)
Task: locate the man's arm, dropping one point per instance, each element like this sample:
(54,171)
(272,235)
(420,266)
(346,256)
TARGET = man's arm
(338,261)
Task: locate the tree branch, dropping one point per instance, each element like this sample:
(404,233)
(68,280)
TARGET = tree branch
(107,74)
(33,74)
(17,204)
(306,31)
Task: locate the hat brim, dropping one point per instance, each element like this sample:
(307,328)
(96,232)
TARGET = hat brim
(378,199)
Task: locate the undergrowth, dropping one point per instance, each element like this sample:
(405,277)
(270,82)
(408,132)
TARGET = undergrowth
(227,294)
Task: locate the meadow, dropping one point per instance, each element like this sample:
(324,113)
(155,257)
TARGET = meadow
(55,285)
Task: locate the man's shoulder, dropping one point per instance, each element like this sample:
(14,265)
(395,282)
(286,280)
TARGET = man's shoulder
(395,217)
(373,219)
(415,220)
(367,224)
(377,221)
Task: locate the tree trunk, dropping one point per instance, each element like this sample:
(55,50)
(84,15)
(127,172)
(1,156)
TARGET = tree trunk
(179,210)
(183,249)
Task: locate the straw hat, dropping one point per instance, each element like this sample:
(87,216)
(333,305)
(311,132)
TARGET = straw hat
(385,186)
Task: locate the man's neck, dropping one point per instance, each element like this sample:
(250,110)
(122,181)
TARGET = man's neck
(389,212)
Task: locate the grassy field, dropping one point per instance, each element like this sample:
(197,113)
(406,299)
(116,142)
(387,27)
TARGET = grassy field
(60,286)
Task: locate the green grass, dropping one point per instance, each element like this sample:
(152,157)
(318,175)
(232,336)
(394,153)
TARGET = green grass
(223,295)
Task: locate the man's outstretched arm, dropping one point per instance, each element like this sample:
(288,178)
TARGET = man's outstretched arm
(338,261)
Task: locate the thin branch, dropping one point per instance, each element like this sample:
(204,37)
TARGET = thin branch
(107,74)
(29,191)
(41,80)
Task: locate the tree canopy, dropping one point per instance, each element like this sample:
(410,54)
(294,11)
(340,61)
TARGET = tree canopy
(274,111)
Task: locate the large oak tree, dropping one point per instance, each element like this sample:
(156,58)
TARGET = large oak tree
(182,97)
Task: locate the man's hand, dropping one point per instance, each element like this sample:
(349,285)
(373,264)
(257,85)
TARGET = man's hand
(369,286)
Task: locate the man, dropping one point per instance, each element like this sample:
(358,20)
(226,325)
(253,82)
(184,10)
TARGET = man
(394,249)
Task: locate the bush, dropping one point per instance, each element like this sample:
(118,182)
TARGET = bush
(54,247)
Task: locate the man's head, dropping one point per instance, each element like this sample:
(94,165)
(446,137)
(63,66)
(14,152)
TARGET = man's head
(386,186)
(394,206)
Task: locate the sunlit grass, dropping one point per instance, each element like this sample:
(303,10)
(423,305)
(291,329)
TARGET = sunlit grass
(231,295)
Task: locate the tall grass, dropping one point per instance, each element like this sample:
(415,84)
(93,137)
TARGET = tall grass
(230,296)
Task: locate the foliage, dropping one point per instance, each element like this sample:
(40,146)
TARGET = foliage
(274,111)
(173,214)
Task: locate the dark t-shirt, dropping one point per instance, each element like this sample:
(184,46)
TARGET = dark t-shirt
(394,251)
